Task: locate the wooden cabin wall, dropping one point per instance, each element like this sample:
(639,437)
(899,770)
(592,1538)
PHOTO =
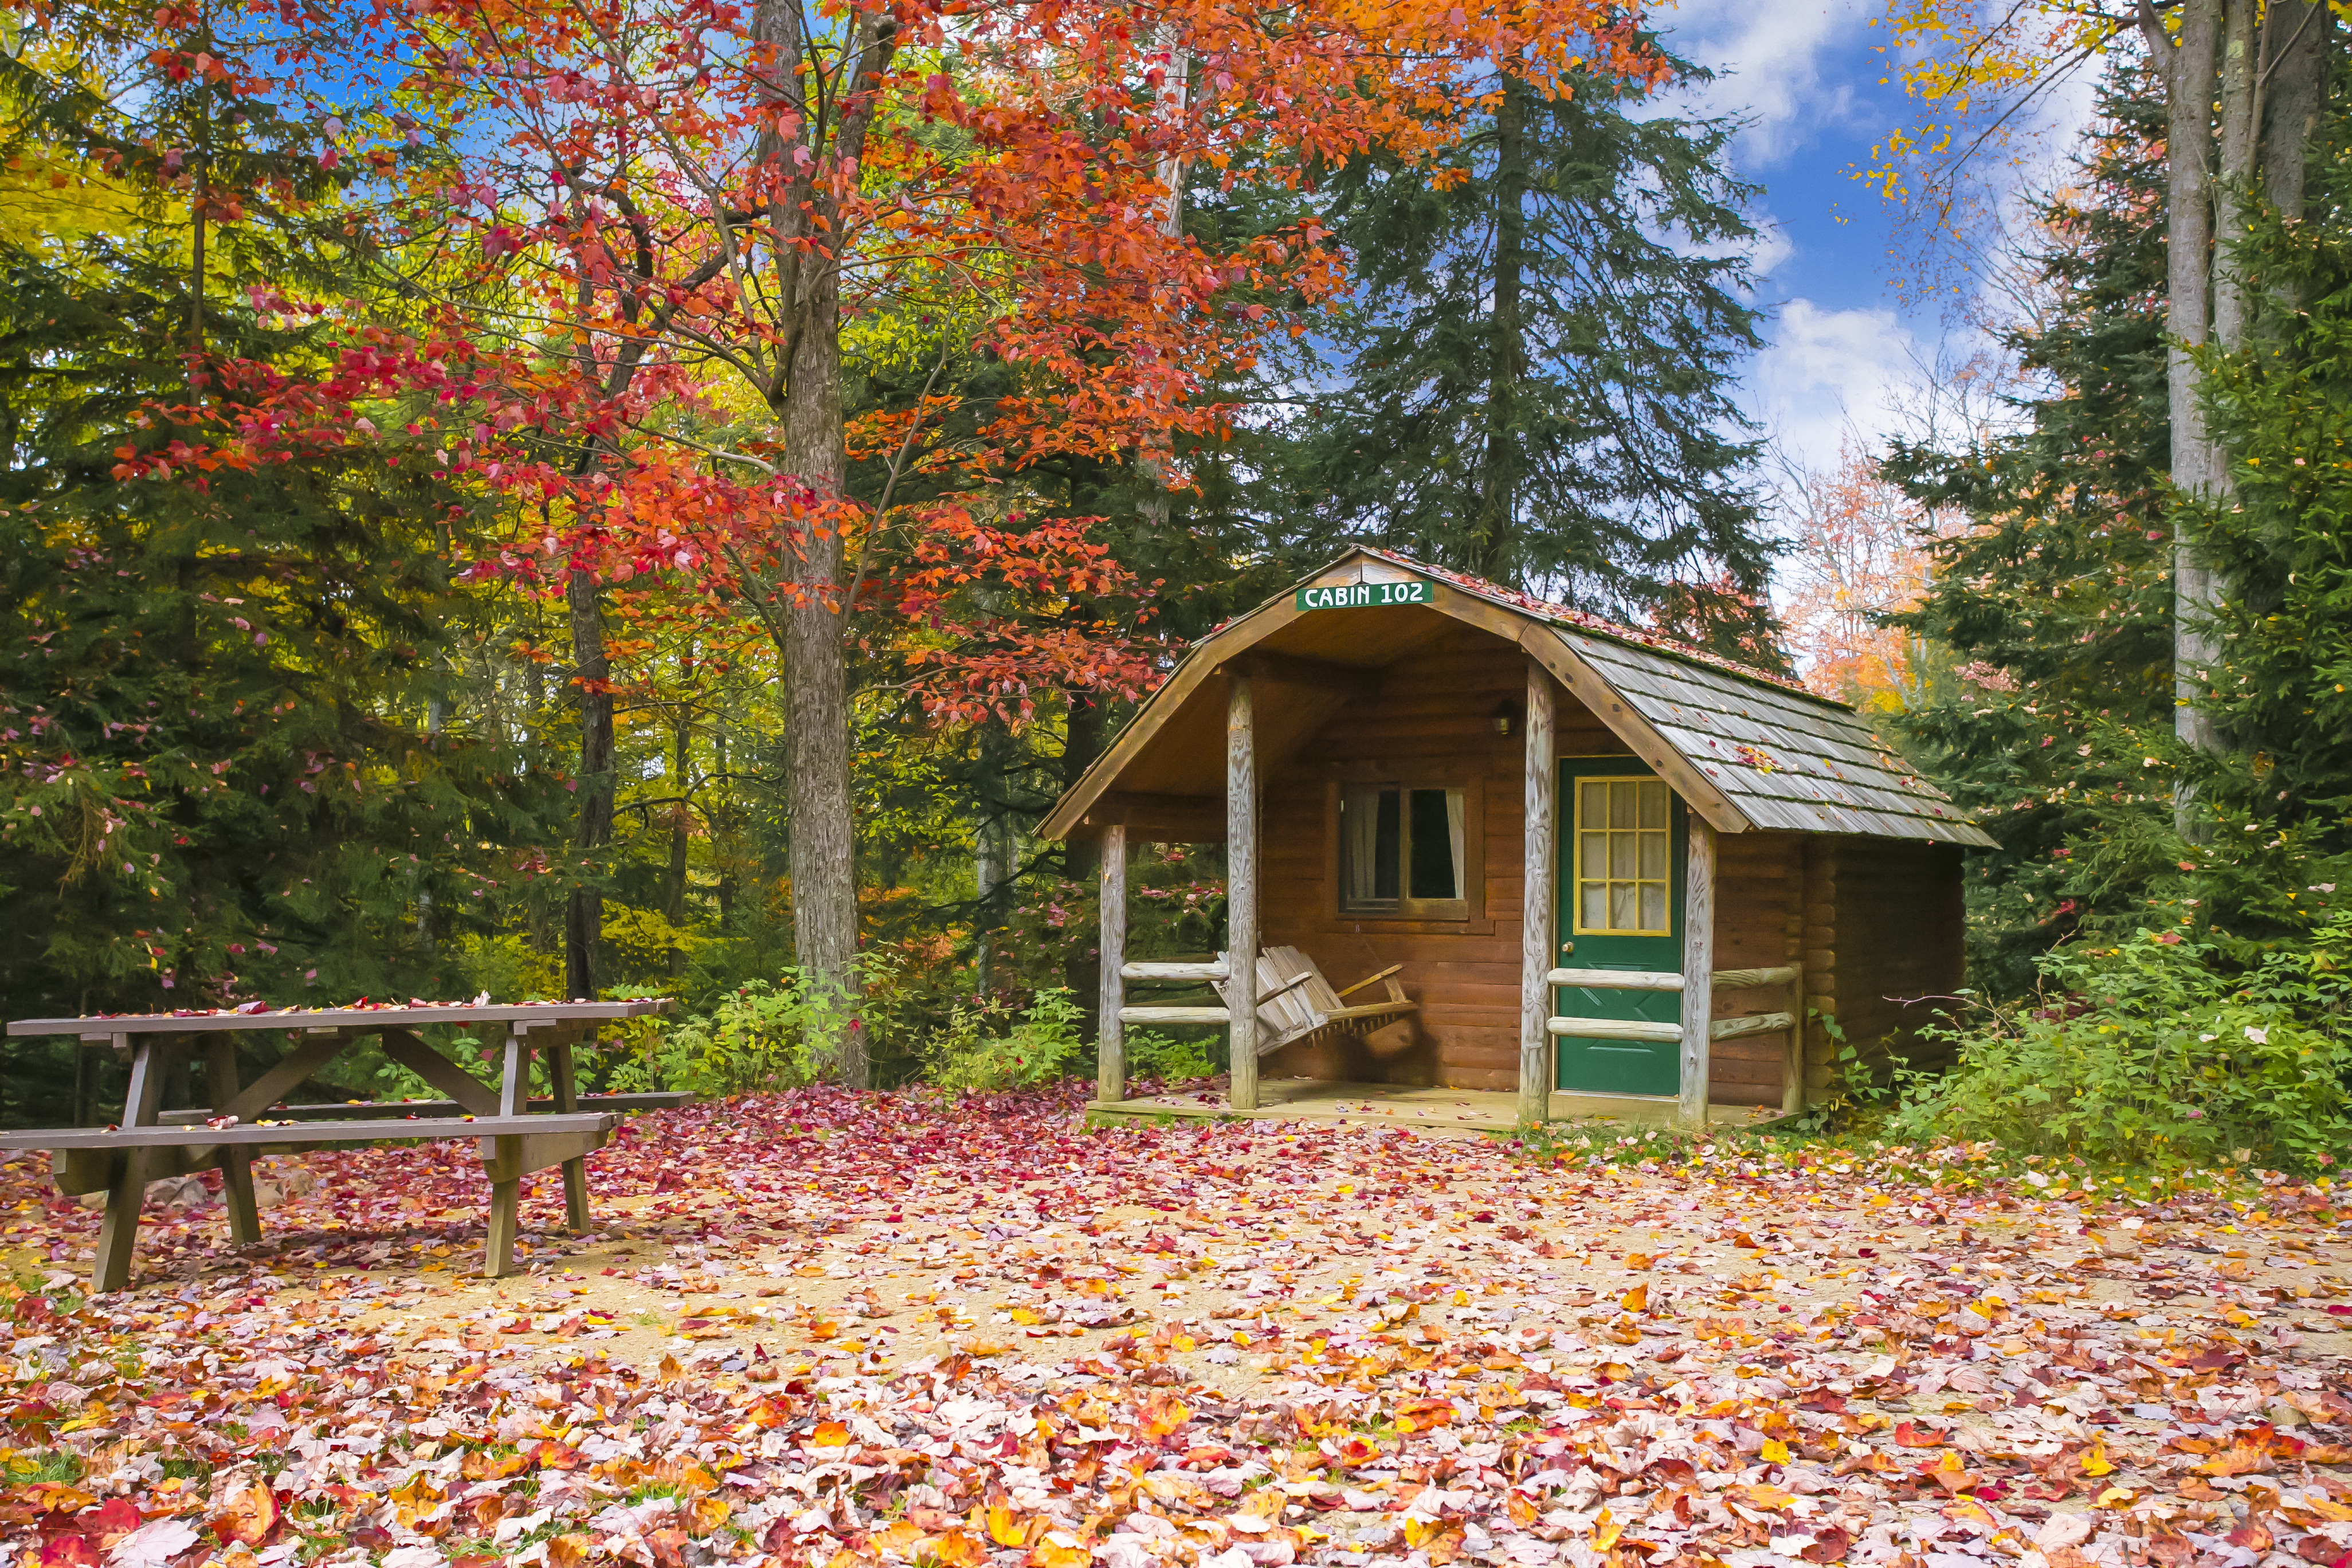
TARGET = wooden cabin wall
(1759,904)
(1434,717)
(1884,946)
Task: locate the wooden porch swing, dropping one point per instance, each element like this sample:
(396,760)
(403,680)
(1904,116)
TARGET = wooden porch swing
(1295,1001)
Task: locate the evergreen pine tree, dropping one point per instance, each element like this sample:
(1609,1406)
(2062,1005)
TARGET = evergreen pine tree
(219,774)
(1534,384)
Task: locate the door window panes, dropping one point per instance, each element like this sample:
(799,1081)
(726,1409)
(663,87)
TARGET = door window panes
(1624,851)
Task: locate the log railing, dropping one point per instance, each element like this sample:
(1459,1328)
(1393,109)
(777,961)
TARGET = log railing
(1659,980)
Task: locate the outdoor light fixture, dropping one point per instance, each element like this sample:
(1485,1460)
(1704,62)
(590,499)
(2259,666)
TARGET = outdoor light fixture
(1503,716)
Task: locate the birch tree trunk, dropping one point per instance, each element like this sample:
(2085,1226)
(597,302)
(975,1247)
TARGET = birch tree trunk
(2272,66)
(2186,64)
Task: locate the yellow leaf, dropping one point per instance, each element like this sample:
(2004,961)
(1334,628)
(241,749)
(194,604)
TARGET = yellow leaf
(1637,1300)
(1005,1528)
(1462,1297)
(1776,1452)
(1023,1315)
(830,1434)
(2095,1460)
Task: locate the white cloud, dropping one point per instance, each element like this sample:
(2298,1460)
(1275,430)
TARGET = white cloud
(1825,376)
(1768,61)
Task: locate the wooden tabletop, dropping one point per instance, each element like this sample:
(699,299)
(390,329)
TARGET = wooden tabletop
(100,1027)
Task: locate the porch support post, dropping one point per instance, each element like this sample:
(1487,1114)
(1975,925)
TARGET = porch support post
(1539,901)
(1241,891)
(1110,1035)
(1698,969)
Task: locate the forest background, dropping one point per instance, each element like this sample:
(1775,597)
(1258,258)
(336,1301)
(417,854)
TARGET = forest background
(598,498)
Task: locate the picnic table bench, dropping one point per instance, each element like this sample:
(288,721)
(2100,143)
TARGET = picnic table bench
(518,1133)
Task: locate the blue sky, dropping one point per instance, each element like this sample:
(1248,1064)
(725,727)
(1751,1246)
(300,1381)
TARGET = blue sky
(1804,76)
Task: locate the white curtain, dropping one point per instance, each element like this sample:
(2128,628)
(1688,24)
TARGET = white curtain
(1360,828)
(1454,831)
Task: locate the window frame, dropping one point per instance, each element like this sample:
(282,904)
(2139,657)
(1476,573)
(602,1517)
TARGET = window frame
(1449,913)
(1576,878)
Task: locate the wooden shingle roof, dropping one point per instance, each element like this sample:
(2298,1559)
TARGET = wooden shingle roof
(1747,749)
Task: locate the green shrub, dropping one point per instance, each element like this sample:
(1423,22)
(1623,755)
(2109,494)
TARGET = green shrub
(969,1053)
(759,1037)
(1162,1057)
(2156,1051)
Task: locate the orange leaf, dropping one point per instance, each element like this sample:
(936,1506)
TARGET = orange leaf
(249,1516)
(1637,1300)
(957,1550)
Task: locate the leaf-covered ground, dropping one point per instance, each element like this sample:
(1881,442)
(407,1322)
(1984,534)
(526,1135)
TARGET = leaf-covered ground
(830,1330)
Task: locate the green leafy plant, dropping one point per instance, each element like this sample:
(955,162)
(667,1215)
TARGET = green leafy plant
(968,1054)
(1163,1057)
(760,1037)
(2158,1050)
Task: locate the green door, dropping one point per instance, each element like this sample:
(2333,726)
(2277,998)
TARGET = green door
(1621,859)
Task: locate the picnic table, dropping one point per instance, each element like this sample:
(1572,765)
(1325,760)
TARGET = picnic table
(518,1133)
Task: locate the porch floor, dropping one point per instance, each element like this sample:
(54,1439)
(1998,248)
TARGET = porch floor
(1425,1110)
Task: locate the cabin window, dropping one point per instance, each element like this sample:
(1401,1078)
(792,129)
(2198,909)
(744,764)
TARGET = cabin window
(1623,847)
(1401,852)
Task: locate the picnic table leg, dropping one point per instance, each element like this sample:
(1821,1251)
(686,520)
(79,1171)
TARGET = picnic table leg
(120,1230)
(505,1166)
(235,1159)
(576,1171)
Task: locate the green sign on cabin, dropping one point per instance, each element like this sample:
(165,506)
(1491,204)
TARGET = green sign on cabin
(1364,595)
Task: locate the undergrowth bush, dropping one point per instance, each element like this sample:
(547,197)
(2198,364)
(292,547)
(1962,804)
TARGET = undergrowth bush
(1163,1057)
(758,1037)
(976,1050)
(2156,1050)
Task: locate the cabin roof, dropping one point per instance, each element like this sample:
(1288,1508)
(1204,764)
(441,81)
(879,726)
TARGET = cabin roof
(1745,749)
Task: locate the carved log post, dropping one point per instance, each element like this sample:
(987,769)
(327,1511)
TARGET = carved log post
(1111,1035)
(1241,890)
(1539,901)
(1698,970)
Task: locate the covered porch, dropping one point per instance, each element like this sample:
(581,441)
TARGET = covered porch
(1489,863)
(1424,1110)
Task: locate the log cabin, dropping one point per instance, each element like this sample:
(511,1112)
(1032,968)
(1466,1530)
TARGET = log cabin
(1584,863)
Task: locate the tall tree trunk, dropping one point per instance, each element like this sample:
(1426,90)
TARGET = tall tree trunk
(722,824)
(2298,54)
(1081,858)
(1498,488)
(584,922)
(2186,65)
(2233,188)
(1175,92)
(816,677)
(674,888)
(808,145)
(437,714)
(987,856)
